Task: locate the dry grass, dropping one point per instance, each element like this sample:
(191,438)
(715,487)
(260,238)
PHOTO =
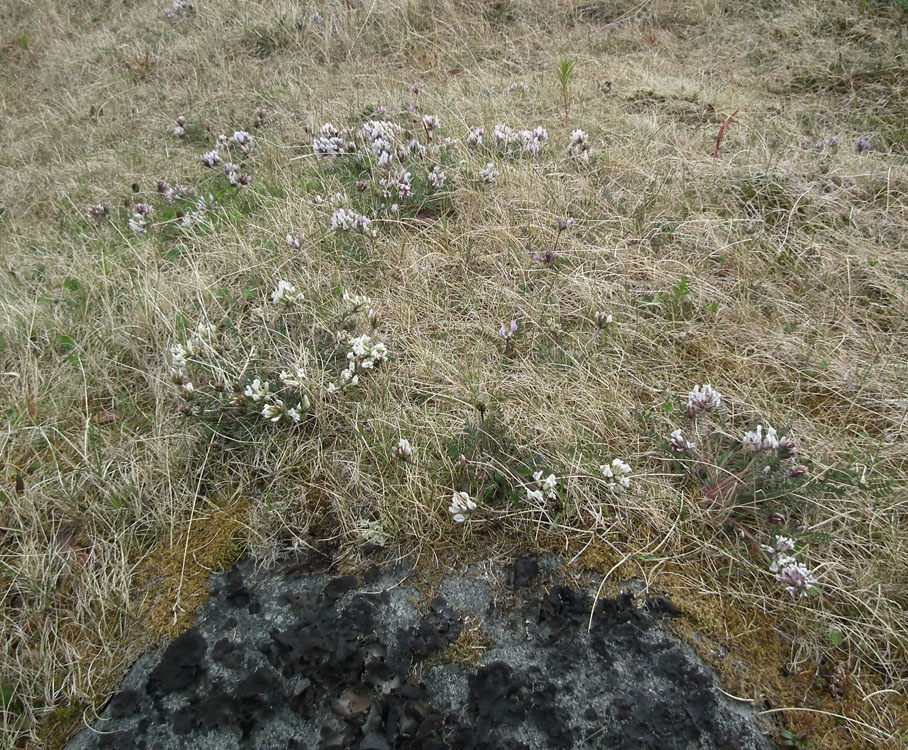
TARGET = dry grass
(796,264)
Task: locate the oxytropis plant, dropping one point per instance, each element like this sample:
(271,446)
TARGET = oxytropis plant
(746,480)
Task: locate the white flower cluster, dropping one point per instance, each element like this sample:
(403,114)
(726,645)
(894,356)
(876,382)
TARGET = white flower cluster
(702,399)
(579,145)
(285,294)
(293,378)
(399,183)
(380,137)
(544,488)
(757,442)
(403,450)
(345,220)
(178,361)
(529,141)
(461,506)
(488,174)
(197,215)
(328,142)
(357,300)
(178,9)
(788,570)
(201,340)
(364,354)
(617,472)
(507,333)
(257,390)
(273,408)
(179,129)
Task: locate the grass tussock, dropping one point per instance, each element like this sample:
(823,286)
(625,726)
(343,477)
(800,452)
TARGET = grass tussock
(776,273)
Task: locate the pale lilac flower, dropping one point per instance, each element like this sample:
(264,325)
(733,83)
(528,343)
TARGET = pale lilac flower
(142,209)
(239,179)
(488,174)
(547,257)
(187,391)
(786,447)
(414,89)
(503,134)
(345,219)
(177,9)
(210,158)
(796,578)
(579,145)
(475,137)
(437,178)
(508,333)
(242,139)
(399,183)
(293,240)
(137,225)
(827,144)
(402,450)
(564,224)
(461,505)
(702,399)
(430,123)
(681,444)
(779,553)
(96,212)
(179,131)
(861,145)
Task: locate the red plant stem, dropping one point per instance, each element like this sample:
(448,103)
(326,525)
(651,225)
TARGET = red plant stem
(722,132)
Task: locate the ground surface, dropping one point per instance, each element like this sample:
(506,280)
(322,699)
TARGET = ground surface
(503,657)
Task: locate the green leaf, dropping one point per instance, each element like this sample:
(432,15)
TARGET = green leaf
(836,637)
